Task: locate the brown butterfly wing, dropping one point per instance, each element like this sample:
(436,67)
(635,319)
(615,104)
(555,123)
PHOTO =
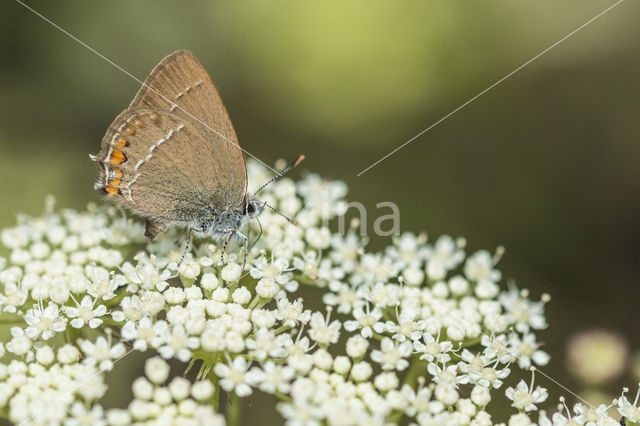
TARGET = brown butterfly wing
(179,84)
(158,164)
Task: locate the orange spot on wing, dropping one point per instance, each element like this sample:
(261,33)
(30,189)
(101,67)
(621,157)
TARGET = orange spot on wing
(122,143)
(138,124)
(112,190)
(115,182)
(117,157)
(118,173)
(130,132)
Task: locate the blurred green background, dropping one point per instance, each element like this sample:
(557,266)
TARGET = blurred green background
(546,164)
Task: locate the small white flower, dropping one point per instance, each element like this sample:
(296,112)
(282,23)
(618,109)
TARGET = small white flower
(267,288)
(479,371)
(627,409)
(357,346)
(81,415)
(524,313)
(528,350)
(264,344)
(432,349)
(86,312)
(209,281)
(174,295)
(189,268)
(366,319)
(479,266)
(322,330)
(144,332)
(147,274)
(202,390)
(241,296)
(481,396)
(177,343)
(231,272)
(20,343)
(276,269)
(386,381)
(271,378)
(101,353)
(68,354)
(361,371)
(102,284)
(447,252)
(525,397)
(12,297)
(179,388)
(233,377)
(406,326)
(392,354)
(45,355)
(446,375)
(420,401)
(44,322)
(291,313)
(497,347)
(318,238)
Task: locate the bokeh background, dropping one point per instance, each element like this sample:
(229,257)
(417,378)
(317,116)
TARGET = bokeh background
(546,164)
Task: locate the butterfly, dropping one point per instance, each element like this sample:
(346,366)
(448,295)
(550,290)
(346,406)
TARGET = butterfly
(173,157)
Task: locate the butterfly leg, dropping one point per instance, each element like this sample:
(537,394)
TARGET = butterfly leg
(187,247)
(226,242)
(245,239)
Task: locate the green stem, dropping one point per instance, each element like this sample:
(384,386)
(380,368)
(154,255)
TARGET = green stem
(254,302)
(109,322)
(9,318)
(120,294)
(281,329)
(216,391)
(283,397)
(417,366)
(234,410)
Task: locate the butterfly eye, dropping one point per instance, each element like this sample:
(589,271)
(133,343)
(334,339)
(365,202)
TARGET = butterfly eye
(251,208)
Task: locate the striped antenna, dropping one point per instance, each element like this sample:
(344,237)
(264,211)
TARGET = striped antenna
(278,176)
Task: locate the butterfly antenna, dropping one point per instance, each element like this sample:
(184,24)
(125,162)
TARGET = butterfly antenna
(291,221)
(280,174)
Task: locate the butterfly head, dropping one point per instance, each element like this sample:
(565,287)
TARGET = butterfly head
(253,207)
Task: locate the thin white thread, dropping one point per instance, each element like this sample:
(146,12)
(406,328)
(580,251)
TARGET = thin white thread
(76,39)
(564,387)
(491,87)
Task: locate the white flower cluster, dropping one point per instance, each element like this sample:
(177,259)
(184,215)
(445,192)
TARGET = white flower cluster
(178,403)
(419,333)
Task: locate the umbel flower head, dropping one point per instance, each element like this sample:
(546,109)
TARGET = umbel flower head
(420,332)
